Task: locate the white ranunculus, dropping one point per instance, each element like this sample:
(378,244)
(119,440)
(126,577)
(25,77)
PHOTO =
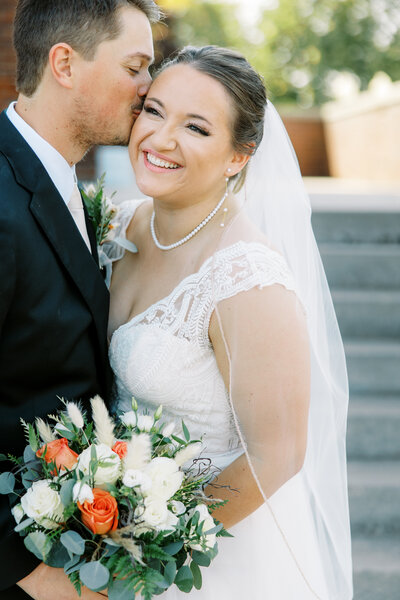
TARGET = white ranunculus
(82,492)
(43,504)
(129,418)
(166,477)
(178,508)
(208,524)
(136,478)
(108,473)
(145,422)
(188,454)
(168,429)
(157,516)
(18,513)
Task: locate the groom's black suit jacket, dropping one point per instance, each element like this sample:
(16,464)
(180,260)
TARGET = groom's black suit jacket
(53,317)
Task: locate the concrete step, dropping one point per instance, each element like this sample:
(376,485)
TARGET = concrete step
(371,314)
(374,497)
(373,428)
(366,227)
(376,563)
(373,366)
(362,266)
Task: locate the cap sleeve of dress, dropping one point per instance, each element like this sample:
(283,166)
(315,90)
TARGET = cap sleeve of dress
(115,247)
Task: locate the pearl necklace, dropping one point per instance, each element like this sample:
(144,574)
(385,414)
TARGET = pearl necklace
(193,232)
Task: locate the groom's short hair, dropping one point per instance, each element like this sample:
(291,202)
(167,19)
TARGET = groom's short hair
(83,24)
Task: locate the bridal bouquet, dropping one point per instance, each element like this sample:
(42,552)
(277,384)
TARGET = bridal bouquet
(110,502)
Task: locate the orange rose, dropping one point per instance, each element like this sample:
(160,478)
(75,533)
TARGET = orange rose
(101,515)
(60,453)
(120,448)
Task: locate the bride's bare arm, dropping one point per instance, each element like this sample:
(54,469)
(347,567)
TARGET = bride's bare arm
(263,355)
(47,583)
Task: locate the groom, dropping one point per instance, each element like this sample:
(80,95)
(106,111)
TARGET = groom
(82,75)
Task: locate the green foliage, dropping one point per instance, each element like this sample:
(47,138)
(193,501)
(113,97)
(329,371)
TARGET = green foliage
(299,45)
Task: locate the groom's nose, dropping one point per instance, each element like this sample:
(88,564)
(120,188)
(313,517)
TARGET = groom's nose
(144,85)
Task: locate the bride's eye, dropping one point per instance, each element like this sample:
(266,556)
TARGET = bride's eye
(198,129)
(151,110)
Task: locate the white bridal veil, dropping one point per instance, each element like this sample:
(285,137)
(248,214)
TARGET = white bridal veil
(275,201)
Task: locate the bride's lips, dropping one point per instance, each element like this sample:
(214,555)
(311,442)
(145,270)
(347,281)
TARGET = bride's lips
(159,168)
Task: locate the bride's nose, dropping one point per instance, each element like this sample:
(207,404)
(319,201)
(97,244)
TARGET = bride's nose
(163,137)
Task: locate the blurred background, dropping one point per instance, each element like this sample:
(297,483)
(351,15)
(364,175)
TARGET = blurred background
(332,68)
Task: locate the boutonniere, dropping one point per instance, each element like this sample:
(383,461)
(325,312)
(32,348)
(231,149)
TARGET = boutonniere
(101,210)
(103,216)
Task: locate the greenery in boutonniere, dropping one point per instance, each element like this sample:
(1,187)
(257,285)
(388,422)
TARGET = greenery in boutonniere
(100,209)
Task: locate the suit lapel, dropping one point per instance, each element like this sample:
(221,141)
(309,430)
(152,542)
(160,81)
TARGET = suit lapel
(57,224)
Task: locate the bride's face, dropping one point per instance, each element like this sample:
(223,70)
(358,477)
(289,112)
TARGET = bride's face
(181,145)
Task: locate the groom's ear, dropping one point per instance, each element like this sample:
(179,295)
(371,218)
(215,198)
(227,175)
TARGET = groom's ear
(60,61)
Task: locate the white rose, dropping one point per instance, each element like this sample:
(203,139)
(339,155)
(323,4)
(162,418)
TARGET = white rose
(43,504)
(166,477)
(108,473)
(168,429)
(157,516)
(145,422)
(187,454)
(129,418)
(208,524)
(18,512)
(82,492)
(178,508)
(135,478)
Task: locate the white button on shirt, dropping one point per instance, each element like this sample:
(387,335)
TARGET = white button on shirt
(60,172)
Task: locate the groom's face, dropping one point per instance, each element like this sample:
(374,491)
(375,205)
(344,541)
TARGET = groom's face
(111,88)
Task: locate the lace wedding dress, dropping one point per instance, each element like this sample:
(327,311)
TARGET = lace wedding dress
(164,356)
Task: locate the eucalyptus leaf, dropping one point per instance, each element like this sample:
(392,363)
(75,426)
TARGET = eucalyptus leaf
(58,556)
(197,578)
(170,572)
(94,575)
(110,550)
(73,565)
(66,491)
(23,525)
(73,542)
(173,548)
(28,478)
(33,442)
(215,529)
(7,483)
(203,560)
(120,590)
(3,457)
(38,543)
(29,455)
(184,579)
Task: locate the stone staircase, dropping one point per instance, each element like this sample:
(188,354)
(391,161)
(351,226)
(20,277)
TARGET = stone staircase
(361,253)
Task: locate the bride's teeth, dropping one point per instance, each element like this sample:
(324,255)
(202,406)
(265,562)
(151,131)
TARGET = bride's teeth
(158,162)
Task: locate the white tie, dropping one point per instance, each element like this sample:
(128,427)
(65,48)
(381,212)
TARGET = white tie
(76,209)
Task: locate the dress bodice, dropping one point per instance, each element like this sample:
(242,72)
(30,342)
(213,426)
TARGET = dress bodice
(164,355)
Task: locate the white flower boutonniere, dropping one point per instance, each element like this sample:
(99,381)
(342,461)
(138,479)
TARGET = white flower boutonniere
(101,210)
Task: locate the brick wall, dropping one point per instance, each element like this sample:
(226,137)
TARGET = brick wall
(7,55)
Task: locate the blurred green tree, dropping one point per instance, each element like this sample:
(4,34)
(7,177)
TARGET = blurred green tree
(299,46)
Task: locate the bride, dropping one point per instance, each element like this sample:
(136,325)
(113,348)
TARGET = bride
(223,315)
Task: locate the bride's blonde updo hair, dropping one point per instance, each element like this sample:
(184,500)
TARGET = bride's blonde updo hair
(245,87)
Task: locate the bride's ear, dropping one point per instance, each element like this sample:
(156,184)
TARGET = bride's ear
(238,161)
